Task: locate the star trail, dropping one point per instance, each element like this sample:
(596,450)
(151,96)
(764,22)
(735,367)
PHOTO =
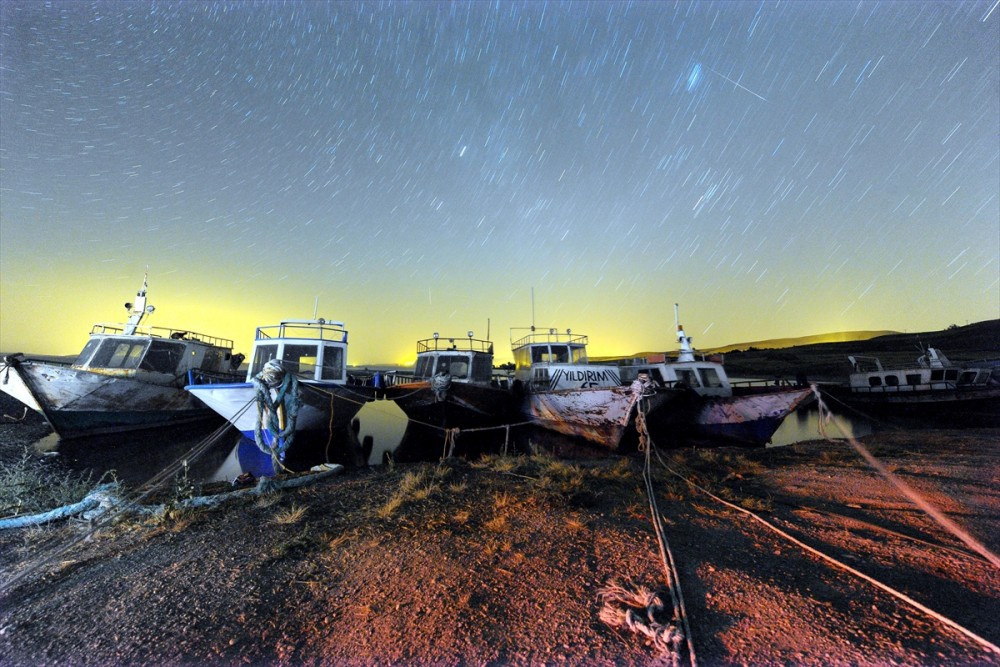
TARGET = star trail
(777,168)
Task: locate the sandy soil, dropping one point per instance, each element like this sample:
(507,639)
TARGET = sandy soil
(501,561)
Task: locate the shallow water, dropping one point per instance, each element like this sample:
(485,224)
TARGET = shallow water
(136,458)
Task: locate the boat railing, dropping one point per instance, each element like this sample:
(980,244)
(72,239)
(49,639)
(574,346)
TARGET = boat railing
(547,336)
(458,343)
(198,376)
(308,329)
(761,383)
(163,332)
(942,385)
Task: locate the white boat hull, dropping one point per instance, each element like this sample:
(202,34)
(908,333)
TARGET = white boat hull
(325,406)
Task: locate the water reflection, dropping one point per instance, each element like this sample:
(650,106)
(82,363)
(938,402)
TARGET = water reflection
(134,458)
(380,431)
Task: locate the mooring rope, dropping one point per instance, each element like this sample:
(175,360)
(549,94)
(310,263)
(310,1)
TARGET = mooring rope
(665,633)
(833,561)
(120,507)
(826,416)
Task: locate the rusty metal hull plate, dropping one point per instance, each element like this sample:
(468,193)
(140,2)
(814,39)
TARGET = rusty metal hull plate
(80,403)
(599,414)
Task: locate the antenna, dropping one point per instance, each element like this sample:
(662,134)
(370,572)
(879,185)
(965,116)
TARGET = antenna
(532,308)
(316,308)
(487,328)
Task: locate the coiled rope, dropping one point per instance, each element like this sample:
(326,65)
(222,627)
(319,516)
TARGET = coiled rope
(279,413)
(666,633)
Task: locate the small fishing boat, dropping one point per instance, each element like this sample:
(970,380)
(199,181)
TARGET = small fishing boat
(712,407)
(453,385)
(297,383)
(932,389)
(128,377)
(563,393)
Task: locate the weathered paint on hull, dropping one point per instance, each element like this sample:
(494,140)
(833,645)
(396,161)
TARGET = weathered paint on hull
(749,419)
(600,415)
(465,406)
(325,406)
(80,403)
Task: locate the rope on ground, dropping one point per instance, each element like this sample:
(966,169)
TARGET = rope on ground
(620,606)
(826,416)
(833,561)
(117,509)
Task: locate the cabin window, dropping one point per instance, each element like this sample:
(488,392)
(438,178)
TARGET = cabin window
(214,358)
(937,375)
(891,381)
(425,366)
(539,354)
(687,377)
(482,369)
(560,354)
(119,353)
(710,377)
(455,365)
(162,357)
(579,354)
(299,359)
(874,381)
(263,354)
(967,377)
(522,357)
(951,374)
(333,362)
(656,375)
(87,352)
(913,379)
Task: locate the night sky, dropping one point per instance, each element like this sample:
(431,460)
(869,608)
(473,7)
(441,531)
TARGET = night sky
(779,169)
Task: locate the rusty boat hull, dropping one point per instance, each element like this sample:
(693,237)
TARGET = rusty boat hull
(80,403)
(600,415)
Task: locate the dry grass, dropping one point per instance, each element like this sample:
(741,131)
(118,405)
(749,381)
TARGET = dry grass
(290,516)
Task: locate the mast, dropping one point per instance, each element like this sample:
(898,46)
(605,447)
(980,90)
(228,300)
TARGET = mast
(138,309)
(686,352)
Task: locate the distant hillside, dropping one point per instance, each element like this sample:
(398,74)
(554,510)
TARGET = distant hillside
(827,361)
(780,343)
(824,357)
(772,344)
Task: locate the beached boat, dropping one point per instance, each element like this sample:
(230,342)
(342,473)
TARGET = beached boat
(128,377)
(712,407)
(297,383)
(932,389)
(563,393)
(453,385)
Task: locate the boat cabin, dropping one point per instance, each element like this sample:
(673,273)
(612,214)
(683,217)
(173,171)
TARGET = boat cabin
(705,378)
(550,359)
(465,359)
(112,350)
(933,372)
(311,349)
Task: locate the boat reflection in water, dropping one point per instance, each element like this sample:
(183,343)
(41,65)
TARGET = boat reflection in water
(134,458)
(382,432)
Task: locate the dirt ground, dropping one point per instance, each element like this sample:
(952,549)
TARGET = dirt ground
(501,562)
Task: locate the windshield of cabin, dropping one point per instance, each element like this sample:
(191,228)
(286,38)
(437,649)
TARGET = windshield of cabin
(162,357)
(119,353)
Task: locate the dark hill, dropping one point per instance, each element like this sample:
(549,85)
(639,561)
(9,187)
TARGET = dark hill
(828,361)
